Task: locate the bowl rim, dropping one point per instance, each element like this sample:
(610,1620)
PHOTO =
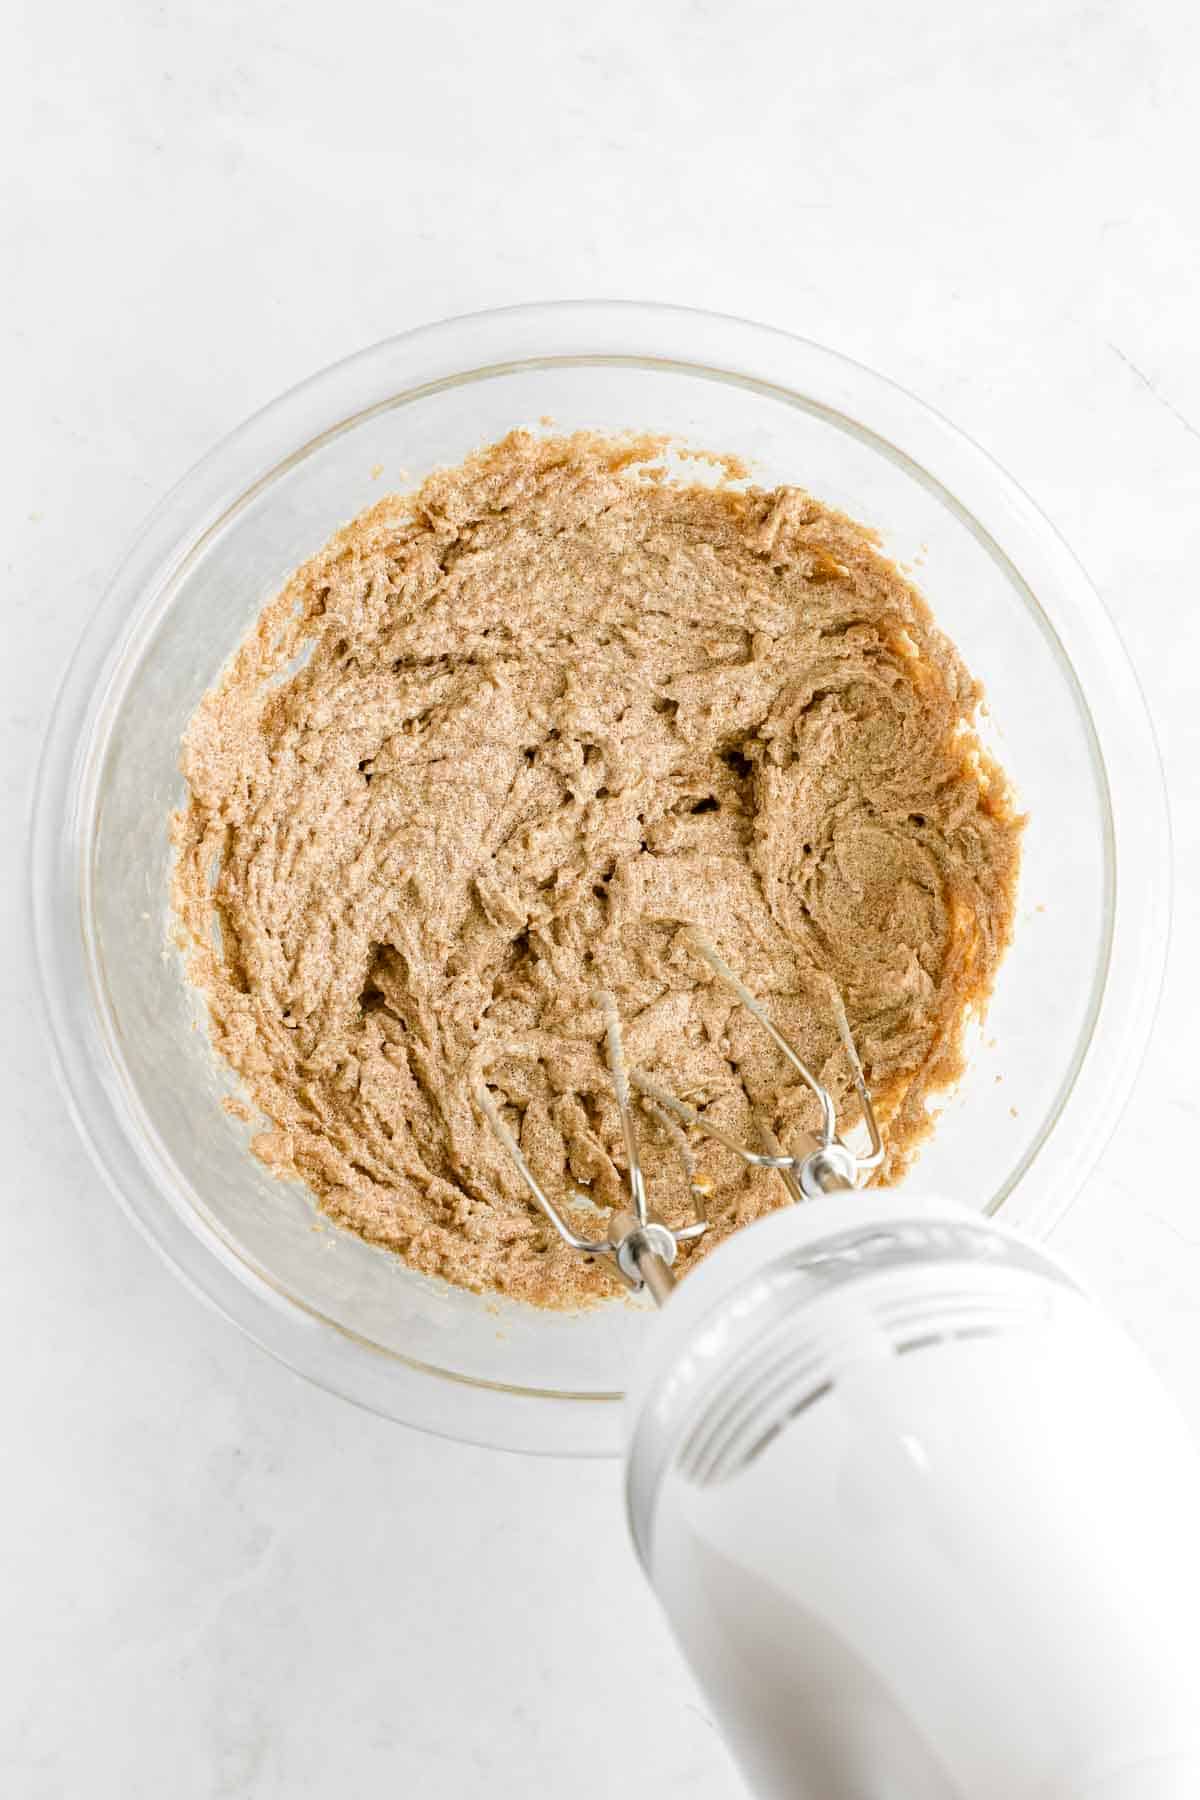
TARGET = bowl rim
(388,374)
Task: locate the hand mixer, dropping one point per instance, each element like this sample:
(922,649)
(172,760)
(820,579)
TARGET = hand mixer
(923,1521)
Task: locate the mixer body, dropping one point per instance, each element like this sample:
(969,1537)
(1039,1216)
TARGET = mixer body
(923,1520)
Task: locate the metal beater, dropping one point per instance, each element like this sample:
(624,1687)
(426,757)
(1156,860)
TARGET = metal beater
(641,1245)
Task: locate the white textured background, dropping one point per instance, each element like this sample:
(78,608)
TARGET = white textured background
(215,1580)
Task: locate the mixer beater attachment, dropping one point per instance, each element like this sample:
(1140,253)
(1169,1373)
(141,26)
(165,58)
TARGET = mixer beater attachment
(641,1245)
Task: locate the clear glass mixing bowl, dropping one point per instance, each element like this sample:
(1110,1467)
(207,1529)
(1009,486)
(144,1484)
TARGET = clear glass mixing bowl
(1076,994)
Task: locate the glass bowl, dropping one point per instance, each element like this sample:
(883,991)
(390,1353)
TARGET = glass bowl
(1076,994)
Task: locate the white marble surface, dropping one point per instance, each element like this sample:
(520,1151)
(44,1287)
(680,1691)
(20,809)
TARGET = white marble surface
(218,1581)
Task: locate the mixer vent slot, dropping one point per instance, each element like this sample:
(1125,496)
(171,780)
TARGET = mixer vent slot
(960,1334)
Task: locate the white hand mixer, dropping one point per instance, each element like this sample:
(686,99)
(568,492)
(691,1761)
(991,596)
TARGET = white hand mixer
(923,1520)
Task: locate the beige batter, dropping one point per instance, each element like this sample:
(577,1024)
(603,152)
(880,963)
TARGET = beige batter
(555,708)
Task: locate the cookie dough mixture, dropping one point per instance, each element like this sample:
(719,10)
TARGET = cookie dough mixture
(547,713)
